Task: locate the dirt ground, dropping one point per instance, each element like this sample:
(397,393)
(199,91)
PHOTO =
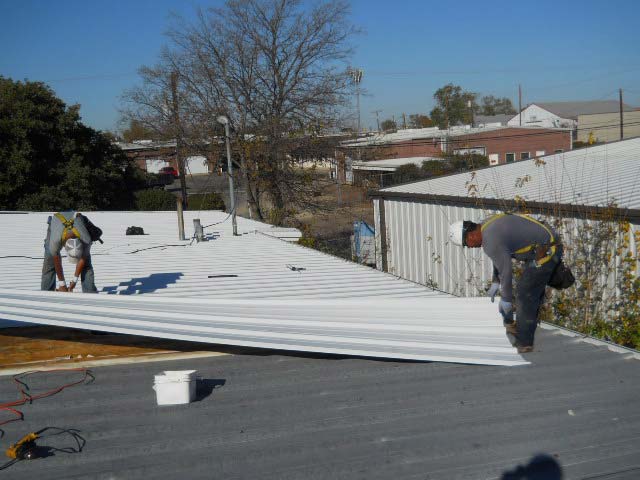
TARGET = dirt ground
(330,229)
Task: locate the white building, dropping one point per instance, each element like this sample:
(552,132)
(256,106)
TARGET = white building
(562,114)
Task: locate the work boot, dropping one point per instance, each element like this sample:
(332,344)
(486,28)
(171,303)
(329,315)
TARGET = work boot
(524,348)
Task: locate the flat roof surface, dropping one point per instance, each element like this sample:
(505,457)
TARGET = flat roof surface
(275,416)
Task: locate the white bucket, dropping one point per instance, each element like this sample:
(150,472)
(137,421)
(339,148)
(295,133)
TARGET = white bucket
(175,387)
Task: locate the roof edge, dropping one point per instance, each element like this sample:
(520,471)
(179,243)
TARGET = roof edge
(555,209)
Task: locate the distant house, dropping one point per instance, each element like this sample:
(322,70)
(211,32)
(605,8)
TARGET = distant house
(151,156)
(562,114)
(501,144)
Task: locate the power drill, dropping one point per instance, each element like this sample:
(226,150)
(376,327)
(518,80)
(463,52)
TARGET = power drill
(24,449)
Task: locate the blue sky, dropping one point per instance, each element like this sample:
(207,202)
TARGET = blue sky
(89,51)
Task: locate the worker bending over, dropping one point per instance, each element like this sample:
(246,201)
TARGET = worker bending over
(67,229)
(506,236)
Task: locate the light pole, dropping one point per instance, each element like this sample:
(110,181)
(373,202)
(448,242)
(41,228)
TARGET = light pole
(356,76)
(225,121)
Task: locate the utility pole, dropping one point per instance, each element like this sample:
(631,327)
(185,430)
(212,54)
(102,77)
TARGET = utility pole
(225,121)
(621,118)
(377,118)
(520,104)
(404,121)
(179,154)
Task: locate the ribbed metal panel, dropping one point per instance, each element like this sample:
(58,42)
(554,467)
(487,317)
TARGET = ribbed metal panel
(249,290)
(595,176)
(419,249)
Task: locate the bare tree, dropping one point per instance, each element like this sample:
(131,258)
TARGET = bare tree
(276,69)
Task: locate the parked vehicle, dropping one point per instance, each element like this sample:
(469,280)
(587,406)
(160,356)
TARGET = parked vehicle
(169,171)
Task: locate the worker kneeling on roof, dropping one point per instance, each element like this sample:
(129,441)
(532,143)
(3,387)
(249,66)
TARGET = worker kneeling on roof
(69,230)
(506,236)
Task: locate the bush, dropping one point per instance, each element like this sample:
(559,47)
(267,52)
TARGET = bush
(206,201)
(154,199)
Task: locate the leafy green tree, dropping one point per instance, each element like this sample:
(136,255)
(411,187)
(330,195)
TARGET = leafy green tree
(49,160)
(155,199)
(453,106)
(417,120)
(388,125)
(491,105)
(408,173)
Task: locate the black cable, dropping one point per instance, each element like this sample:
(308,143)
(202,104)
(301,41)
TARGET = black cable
(9,463)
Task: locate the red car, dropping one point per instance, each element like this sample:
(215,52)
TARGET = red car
(169,171)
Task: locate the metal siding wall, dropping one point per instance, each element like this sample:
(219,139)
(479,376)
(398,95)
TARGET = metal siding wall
(419,249)
(376,220)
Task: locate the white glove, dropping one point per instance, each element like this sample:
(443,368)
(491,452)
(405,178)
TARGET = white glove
(493,290)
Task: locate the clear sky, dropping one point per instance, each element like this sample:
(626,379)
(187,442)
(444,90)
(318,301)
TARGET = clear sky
(88,51)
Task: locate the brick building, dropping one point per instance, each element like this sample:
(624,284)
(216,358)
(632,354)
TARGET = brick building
(152,156)
(501,144)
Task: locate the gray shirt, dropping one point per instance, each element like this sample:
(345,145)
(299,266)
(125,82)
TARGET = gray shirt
(56,229)
(502,236)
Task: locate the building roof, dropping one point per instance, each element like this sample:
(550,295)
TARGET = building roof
(573,109)
(278,416)
(145,145)
(248,290)
(480,120)
(594,176)
(433,132)
(391,164)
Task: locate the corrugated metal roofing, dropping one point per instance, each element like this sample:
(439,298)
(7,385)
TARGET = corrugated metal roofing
(594,176)
(252,289)
(419,133)
(573,109)
(391,163)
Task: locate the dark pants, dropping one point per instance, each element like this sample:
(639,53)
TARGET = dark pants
(48,281)
(530,295)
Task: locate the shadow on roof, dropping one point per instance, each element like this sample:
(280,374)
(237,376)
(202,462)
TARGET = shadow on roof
(151,283)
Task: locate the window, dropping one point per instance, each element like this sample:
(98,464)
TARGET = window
(524,156)
(558,151)
(510,157)
(493,159)
(540,153)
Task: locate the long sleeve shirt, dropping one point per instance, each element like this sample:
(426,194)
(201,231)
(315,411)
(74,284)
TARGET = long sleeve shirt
(502,236)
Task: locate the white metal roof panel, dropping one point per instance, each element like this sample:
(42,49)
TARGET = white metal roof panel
(249,290)
(594,176)
(392,163)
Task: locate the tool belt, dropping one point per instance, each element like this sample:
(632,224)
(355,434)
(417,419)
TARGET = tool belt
(543,253)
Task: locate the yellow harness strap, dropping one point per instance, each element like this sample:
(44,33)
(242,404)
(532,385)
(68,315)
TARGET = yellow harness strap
(528,248)
(68,225)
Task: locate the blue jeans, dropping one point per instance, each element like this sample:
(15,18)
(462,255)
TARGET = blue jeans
(48,280)
(530,295)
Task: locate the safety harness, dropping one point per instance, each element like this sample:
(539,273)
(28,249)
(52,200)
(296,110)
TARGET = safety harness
(544,252)
(68,226)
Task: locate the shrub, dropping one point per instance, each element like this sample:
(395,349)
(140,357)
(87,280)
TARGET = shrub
(154,199)
(206,201)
